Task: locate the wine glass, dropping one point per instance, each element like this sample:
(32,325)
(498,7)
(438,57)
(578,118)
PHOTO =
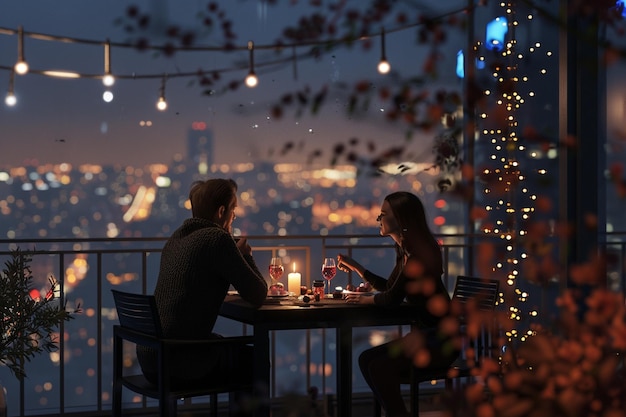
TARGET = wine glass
(276,269)
(329,270)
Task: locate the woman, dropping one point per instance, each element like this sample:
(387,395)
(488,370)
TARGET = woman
(199,263)
(416,279)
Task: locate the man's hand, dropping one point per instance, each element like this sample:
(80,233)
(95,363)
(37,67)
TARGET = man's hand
(243,246)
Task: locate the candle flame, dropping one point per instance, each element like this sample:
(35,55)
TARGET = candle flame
(294,267)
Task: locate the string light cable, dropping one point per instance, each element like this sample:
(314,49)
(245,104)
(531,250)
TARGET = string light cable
(10,99)
(21,66)
(383,64)
(251,79)
(162,103)
(108,79)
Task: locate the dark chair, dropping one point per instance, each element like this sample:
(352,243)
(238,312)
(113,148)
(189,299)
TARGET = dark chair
(482,292)
(140,324)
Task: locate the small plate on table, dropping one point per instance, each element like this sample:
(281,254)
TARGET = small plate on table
(277,295)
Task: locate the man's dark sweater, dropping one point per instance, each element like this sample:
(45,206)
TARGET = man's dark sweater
(199,262)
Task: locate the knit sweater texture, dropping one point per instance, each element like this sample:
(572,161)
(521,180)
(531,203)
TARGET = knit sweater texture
(199,263)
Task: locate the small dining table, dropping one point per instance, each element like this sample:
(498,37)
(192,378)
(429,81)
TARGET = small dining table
(291,314)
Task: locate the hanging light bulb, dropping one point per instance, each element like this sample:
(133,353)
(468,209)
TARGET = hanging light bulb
(10,99)
(107,96)
(162,104)
(251,79)
(108,79)
(383,65)
(21,67)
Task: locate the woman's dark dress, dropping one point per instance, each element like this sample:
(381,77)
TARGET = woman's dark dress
(386,365)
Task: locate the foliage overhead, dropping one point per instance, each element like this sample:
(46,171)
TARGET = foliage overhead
(328,27)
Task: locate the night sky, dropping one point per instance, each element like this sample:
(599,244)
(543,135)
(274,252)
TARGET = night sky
(59,120)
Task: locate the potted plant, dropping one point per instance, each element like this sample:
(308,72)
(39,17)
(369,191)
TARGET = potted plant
(28,316)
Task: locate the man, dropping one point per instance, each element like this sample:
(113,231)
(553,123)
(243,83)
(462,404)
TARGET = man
(199,263)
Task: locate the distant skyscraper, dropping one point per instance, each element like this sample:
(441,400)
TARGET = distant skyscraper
(200,147)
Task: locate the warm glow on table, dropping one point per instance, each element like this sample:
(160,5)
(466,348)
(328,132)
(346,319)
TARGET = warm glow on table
(293,281)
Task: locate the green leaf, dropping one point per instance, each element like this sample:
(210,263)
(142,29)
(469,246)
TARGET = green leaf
(29,322)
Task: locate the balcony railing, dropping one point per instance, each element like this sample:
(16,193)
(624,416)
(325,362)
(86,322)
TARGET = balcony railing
(78,378)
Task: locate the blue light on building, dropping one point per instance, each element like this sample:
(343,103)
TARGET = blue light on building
(460,64)
(460,71)
(621,7)
(496,32)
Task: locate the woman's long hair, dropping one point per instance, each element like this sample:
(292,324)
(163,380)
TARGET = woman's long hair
(417,238)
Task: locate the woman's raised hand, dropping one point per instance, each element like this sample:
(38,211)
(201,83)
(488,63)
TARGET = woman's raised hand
(346,263)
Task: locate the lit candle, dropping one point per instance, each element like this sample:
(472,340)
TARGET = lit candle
(293,281)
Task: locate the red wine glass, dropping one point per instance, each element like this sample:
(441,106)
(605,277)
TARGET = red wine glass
(276,269)
(329,270)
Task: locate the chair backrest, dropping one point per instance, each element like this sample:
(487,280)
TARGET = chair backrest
(483,291)
(138,312)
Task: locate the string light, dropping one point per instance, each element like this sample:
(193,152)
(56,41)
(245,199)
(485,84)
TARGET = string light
(108,80)
(21,66)
(251,79)
(10,99)
(383,65)
(162,104)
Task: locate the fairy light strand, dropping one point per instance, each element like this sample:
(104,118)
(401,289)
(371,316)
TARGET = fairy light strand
(509,201)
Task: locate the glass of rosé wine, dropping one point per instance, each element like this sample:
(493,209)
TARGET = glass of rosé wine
(329,270)
(276,269)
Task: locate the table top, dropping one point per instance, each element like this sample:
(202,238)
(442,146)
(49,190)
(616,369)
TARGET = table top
(291,313)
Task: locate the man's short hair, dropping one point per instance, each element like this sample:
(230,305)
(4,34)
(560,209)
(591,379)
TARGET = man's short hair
(207,196)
